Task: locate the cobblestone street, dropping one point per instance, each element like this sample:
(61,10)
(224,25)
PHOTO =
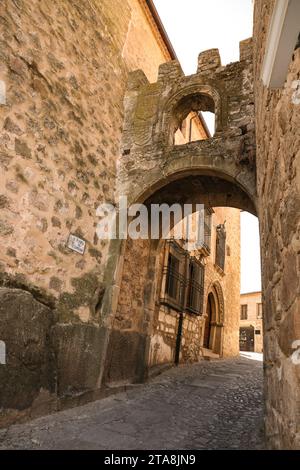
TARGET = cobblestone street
(210,405)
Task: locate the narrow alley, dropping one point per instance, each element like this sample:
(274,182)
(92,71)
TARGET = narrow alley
(208,405)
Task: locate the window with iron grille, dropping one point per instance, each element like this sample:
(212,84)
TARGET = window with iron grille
(175,282)
(244,312)
(172,275)
(195,291)
(259,311)
(220,246)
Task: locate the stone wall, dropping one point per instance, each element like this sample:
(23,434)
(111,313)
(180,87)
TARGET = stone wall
(65,67)
(278,185)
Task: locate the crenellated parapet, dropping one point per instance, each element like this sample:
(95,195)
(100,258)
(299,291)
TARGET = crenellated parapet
(154,111)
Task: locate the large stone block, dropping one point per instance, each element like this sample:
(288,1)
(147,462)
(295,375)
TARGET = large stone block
(209,60)
(79,350)
(24,327)
(125,356)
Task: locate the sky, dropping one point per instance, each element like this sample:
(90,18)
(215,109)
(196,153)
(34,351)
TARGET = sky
(194,26)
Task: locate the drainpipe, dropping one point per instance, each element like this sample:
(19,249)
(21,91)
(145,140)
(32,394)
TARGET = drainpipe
(178,339)
(180,319)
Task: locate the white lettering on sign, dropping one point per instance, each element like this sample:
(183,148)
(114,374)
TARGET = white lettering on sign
(76,244)
(2,92)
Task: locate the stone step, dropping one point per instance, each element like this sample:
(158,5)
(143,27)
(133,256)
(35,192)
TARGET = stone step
(208,354)
(159,369)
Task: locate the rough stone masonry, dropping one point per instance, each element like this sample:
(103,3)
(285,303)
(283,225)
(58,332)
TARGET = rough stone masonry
(63,72)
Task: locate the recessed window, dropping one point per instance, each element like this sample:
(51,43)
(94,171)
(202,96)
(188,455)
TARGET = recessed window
(244,312)
(220,246)
(207,228)
(259,311)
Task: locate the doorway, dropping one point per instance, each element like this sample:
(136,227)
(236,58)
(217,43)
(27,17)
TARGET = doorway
(247,338)
(207,328)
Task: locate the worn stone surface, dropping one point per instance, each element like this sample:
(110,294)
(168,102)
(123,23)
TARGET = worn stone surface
(121,358)
(65,70)
(210,405)
(79,351)
(278,185)
(63,76)
(29,371)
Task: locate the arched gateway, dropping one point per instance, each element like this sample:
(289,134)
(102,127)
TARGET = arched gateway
(217,172)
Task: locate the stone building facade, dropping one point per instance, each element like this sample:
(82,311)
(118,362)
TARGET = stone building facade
(278,187)
(251,322)
(71,97)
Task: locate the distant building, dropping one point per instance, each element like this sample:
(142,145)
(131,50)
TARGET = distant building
(251,323)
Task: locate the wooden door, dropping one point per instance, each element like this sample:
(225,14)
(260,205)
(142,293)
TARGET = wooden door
(247,338)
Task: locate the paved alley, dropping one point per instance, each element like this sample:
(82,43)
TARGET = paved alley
(209,405)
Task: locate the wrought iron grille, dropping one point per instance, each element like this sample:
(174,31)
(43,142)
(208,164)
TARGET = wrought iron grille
(183,288)
(175,286)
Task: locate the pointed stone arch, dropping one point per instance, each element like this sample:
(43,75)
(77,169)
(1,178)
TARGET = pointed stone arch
(214,301)
(220,297)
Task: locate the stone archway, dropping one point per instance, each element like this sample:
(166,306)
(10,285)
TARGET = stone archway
(137,278)
(217,172)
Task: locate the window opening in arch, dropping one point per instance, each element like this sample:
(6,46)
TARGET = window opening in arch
(194,119)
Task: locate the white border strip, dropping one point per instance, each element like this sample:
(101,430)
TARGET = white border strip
(282,37)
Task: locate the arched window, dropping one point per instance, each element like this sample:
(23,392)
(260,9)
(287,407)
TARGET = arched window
(193,119)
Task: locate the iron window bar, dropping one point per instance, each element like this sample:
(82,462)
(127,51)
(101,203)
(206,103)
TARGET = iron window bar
(195,296)
(175,289)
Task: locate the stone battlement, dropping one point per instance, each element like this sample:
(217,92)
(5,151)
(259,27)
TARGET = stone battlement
(154,112)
